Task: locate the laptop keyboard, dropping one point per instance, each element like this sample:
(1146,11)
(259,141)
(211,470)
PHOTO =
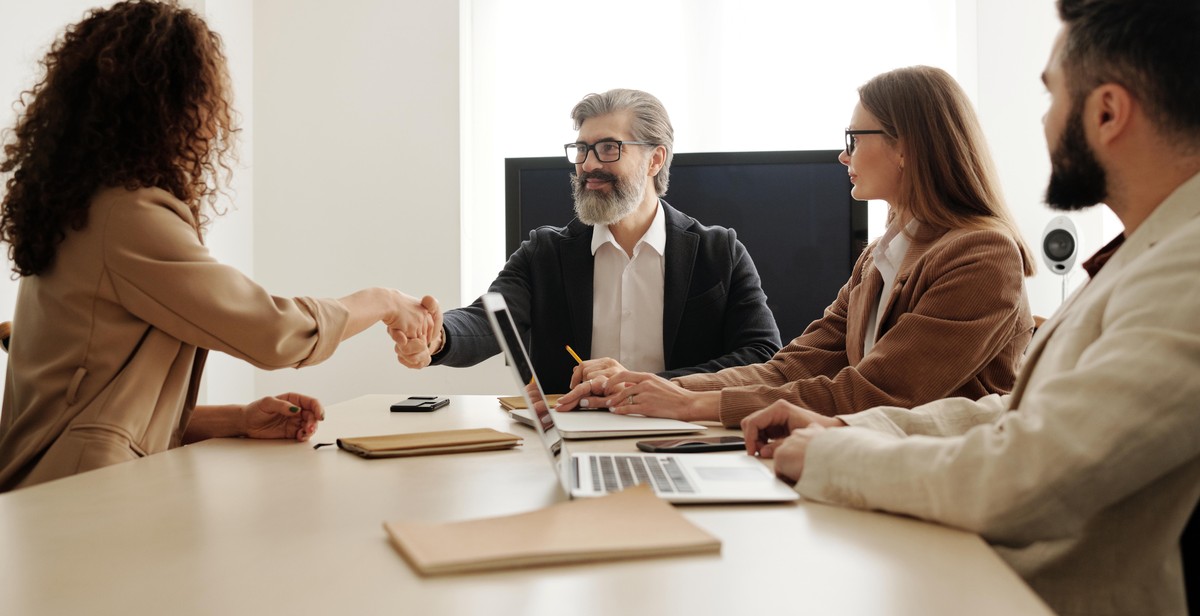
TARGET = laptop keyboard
(610,473)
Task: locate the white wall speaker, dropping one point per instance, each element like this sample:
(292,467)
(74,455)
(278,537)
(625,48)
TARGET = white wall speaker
(1060,245)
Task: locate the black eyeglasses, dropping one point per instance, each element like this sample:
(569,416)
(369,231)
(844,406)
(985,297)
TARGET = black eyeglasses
(852,141)
(606,151)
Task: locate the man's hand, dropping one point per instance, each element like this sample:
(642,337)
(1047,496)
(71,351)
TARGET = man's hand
(417,351)
(591,369)
(590,394)
(789,454)
(766,429)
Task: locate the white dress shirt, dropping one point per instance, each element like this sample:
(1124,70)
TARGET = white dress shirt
(627,298)
(888,255)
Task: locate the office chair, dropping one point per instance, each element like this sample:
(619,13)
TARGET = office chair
(1189,552)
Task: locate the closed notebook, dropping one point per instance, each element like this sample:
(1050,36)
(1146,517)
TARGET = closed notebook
(633,523)
(512,403)
(425,443)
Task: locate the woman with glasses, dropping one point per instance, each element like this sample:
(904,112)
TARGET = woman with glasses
(111,169)
(935,308)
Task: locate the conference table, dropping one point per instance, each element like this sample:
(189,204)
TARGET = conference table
(238,526)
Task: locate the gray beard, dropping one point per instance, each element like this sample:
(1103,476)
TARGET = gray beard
(596,208)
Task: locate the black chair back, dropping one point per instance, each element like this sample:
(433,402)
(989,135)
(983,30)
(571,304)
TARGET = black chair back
(1189,550)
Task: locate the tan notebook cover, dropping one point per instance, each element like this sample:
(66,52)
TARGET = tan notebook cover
(513,403)
(425,443)
(633,523)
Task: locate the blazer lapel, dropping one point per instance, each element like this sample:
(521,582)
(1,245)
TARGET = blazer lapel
(1180,207)
(577,264)
(680,260)
(858,312)
(917,247)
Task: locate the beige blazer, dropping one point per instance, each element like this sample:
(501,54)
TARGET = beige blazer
(955,324)
(1085,476)
(108,344)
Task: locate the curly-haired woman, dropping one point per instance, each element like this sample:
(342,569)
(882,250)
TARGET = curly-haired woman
(119,151)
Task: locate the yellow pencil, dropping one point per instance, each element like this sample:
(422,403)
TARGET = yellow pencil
(574,354)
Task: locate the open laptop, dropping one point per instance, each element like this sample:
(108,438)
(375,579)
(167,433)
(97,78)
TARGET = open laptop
(684,478)
(584,424)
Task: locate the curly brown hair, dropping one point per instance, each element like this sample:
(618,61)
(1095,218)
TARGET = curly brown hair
(135,95)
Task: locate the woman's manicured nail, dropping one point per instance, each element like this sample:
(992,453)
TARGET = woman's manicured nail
(295,409)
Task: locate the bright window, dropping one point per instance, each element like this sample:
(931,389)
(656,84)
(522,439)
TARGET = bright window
(737,75)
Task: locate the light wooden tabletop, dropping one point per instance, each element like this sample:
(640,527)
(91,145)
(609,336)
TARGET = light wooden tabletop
(233,526)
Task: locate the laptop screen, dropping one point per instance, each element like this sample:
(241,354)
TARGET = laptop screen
(518,359)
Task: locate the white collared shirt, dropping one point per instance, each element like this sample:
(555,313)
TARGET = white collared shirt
(888,255)
(627,297)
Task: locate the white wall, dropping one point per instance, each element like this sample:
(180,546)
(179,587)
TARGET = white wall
(357,151)
(231,237)
(1012,44)
(734,75)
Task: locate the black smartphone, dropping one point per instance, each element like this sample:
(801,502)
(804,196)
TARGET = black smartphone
(419,404)
(694,445)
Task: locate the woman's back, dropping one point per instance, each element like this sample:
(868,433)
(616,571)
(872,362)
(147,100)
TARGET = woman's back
(105,343)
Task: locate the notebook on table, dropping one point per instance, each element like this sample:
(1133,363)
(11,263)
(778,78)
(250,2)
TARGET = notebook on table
(631,524)
(686,478)
(428,443)
(598,423)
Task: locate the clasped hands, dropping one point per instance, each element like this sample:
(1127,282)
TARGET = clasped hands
(416,328)
(604,383)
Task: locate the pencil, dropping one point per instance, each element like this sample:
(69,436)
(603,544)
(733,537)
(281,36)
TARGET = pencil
(574,354)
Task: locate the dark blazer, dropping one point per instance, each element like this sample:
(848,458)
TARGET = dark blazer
(715,313)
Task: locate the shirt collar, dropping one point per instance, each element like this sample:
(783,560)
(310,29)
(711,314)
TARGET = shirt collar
(655,236)
(893,246)
(1094,263)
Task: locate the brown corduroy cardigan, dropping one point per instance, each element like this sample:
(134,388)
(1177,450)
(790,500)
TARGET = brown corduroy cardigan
(955,324)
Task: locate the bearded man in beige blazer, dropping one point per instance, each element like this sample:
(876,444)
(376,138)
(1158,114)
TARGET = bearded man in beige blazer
(1083,478)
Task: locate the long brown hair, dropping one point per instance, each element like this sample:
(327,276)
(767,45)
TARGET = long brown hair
(949,181)
(135,95)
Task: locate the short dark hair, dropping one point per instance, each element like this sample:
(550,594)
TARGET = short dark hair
(1149,47)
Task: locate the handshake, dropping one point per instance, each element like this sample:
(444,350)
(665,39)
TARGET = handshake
(416,328)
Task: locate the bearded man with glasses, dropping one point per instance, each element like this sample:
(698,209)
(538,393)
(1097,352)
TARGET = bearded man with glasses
(631,282)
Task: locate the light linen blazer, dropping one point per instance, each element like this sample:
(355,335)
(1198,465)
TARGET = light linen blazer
(1085,476)
(109,343)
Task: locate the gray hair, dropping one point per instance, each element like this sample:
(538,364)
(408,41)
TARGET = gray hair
(650,122)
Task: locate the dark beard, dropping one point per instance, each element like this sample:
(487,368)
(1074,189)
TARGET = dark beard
(1077,181)
(594,207)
